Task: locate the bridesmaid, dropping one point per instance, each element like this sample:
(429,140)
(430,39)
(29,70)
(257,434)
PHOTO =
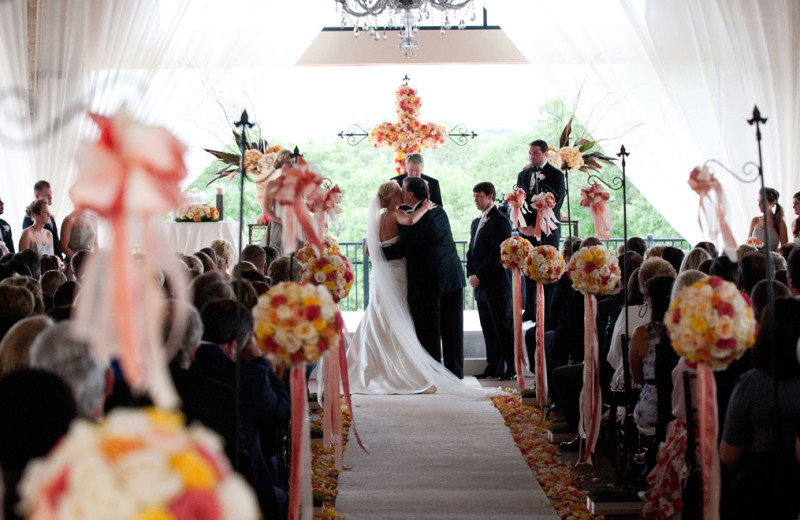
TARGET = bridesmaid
(35,237)
(78,231)
(775,225)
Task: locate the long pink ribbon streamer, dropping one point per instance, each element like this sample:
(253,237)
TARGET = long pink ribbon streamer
(709,455)
(346,338)
(601,219)
(541,373)
(703,188)
(590,402)
(519,355)
(300,473)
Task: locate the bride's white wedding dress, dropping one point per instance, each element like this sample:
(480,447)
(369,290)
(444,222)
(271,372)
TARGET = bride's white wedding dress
(386,356)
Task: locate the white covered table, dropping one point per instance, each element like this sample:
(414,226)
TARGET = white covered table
(190,237)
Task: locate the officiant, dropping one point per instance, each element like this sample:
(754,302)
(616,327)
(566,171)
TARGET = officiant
(539,177)
(415,165)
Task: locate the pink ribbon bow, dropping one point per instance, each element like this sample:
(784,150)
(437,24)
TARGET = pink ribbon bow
(595,197)
(326,208)
(128,176)
(518,205)
(297,188)
(703,183)
(546,221)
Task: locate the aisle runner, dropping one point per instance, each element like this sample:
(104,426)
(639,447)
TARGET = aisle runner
(436,456)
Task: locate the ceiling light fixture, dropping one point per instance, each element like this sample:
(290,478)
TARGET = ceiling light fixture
(372,15)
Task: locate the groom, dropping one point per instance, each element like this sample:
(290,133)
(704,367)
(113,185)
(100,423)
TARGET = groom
(435,279)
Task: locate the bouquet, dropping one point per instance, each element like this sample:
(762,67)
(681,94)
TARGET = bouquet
(298,323)
(136,465)
(594,270)
(197,213)
(544,264)
(331,269)
(711,322)
(514,252)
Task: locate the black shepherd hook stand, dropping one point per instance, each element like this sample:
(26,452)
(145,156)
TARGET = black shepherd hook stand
(243,123)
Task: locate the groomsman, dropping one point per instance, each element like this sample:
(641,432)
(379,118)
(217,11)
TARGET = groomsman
(415,164)
(492,283)
(7,245)
(42,190)
(539,177)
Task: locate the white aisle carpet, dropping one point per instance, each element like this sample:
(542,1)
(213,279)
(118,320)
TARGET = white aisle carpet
(436,457)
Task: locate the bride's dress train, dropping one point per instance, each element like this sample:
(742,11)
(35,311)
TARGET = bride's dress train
(386,356)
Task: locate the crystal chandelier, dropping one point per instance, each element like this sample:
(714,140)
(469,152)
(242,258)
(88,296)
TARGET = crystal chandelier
(369,15)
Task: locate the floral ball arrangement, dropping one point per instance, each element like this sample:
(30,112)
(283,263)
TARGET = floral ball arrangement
(136,465)
(197,213)
(711,322)
(331,269)
(594,270)
(514,252)
(298,323)
(544,264)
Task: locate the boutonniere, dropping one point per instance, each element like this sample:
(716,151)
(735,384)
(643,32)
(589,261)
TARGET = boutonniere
(5,229)
(542,176)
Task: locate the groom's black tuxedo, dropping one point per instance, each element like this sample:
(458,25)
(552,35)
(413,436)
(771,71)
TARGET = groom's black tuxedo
(553,182)
(493,294)
(435,286)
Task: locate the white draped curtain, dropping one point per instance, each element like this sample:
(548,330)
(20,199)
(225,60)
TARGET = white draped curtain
(159,58)
(675,81)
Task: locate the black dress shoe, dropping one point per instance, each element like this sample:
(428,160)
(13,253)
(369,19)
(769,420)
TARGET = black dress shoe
(487,374)
(573,445)
(508,376)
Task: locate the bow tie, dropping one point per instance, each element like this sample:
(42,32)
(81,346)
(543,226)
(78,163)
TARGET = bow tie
(536,169)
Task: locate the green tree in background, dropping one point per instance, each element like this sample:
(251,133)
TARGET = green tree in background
(494,156)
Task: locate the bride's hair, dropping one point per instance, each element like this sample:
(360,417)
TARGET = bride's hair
(385,193)
(284,155)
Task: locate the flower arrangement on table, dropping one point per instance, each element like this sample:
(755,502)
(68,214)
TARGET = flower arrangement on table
(197,213)
(408,135)
(136,465)
(710,323)
(593,270)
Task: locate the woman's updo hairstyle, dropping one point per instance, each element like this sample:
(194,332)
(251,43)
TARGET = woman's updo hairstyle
(386,192)
(772,198)
(35,207)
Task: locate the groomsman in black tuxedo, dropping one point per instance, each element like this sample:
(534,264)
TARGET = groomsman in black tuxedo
(539,177)
(492,283)
(5,234)
(42,190)
(435,279)
(414,166)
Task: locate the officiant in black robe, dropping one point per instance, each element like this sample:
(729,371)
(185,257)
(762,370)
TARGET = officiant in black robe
(435,279)
(540,177)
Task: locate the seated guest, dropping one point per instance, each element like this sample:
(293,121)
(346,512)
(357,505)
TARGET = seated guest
(752,268)
(63,300)
(705,266)
(272,255)
(36,237)
(655,252)
(793,272)
(206,261)
(279,270)
(778,262)
(16,303)
(49,282)
(16,345)
(32,260)
(50,263)
(693,260)
(758,297)
(786,249)
(674,256)
(33,286)
(265,405)
(78,263)
(781,276)
(743,250)
(212,254)
(256,255)
(36,409)
(225,255)
(724,268)
(637,245)
(709,247)
(208,287)
(768,473)
(57,350)
(652,360)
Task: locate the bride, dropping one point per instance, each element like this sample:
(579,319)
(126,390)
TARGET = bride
(386,356)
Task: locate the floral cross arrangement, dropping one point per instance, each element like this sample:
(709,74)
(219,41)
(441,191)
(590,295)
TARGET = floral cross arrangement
(409,134)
